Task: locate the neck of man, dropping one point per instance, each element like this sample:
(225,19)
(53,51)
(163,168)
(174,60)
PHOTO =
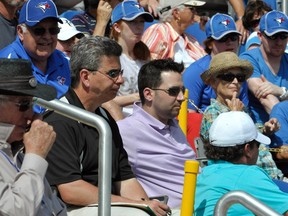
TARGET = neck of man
(7,11)
(177,27)
(148,108)
(89,102)
(41,65)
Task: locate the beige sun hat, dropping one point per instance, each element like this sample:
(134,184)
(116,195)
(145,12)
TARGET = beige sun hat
(223,62)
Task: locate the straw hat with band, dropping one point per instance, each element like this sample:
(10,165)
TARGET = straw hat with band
(16,78)
(222,63)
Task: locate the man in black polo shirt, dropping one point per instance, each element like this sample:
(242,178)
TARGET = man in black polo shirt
(73,163)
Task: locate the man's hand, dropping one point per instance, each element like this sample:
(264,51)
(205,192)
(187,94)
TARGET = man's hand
(39,139)
(265,88)
(271,126)
(150,6)
(159,208)
(235,104)
(104,12)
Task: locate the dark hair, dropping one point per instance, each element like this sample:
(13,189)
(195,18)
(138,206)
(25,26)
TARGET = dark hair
(230,154)
(256,6)
(91,4)
(88,53)
(207,43)
(150,74)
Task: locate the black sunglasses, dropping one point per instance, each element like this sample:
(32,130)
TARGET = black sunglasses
(280,35)
(114,73)
(232,37)
(173,91)
(39,31)
(229,77)
(23,105)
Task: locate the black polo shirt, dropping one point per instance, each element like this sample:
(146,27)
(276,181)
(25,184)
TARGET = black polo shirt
(72,140)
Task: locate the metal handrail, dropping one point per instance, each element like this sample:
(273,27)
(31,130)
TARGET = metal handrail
(241,197)
(105,147)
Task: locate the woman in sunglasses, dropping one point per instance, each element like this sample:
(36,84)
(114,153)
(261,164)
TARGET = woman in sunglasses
(222,35)
(226,75)
(251,19)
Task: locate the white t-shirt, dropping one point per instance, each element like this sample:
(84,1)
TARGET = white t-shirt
(181,54)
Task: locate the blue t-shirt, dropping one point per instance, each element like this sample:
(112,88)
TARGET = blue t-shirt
(280,111)
(58,70)
(221,177)
(198,91)
(254,56)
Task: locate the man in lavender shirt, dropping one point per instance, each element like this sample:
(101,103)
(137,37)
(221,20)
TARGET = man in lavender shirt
(156,146)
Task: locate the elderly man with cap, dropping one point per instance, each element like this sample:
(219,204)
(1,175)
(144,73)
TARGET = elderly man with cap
(232,152)
(226,75)
(222,35)
(36,41)
(23,188)
(167,39)
(269,80)
(67,37)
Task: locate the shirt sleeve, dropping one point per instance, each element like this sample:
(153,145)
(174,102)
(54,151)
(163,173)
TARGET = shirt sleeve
(22,194)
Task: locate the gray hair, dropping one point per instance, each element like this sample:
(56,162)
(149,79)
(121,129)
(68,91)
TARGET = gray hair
(88,52)
(167,15)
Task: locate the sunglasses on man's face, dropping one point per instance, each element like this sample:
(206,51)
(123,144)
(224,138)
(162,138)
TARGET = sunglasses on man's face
(229,77)
(40,31)
(282,36)
(173,91)
(232,37)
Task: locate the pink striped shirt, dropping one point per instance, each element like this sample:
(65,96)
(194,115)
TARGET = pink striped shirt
(161,39)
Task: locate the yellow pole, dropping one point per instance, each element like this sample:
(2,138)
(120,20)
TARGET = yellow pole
(191,169)
(182,116)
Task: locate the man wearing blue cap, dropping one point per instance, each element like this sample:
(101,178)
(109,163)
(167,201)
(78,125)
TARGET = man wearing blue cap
(269,80)
(36,41)
(222,35)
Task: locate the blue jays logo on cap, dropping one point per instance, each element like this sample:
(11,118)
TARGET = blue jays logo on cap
(225,22)
(280,20)
(43,6)
(274,22)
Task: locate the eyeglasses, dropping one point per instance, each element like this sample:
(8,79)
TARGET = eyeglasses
(173,91)
(193,9)
(111,74)
(232,37)
(282,36)
(229,77)
(39,31)
(23,105)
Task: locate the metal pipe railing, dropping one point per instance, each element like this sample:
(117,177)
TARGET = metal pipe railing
(105,146)
(241,197)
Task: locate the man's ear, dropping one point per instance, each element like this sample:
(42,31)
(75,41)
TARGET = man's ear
(248,150)
(148,94)
(85,78)
(20,32)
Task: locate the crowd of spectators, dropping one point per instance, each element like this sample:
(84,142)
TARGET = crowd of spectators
(99,56)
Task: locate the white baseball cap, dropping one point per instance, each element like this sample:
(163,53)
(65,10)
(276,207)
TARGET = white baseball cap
(68,30)
(166,5)
(234,128)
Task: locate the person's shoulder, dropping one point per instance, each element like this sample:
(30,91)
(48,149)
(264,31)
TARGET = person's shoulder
(199,65)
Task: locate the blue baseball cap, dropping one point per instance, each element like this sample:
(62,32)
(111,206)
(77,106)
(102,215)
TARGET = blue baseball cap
(34,11)
(129,10)
(274,22)
(220,25)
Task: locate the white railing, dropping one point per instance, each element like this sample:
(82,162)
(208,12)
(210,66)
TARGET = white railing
(241,197)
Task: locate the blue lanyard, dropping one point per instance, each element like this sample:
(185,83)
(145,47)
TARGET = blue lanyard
(9,160)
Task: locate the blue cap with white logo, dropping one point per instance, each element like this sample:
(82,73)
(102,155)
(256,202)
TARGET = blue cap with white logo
(129,10)
(34,11)
(220,25)
(274,22)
